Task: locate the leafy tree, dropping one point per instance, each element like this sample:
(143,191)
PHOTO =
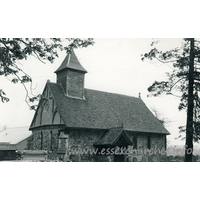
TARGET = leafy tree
(13,50)
(183,81)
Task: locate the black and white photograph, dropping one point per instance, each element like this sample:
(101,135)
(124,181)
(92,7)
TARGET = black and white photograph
(99,100)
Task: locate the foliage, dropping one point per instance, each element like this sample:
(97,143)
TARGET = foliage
(177,80)
(13,50)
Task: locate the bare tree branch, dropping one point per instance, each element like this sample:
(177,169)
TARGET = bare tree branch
(165,61)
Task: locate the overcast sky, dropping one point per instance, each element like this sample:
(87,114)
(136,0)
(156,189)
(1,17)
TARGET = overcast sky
(113,65)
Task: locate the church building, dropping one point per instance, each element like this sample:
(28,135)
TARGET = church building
(73,123)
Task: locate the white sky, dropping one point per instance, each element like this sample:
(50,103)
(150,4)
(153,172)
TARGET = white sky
(113,65)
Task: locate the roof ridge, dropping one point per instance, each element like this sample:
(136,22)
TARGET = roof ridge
(113,93)
(102,91)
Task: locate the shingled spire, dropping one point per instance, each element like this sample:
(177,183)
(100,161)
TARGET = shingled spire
(71,76)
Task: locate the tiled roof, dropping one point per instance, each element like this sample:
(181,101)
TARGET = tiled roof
(14,135)
(103,110)
(112,136)
(72,62)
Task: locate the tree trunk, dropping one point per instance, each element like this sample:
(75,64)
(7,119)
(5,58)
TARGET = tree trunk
(190,108)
